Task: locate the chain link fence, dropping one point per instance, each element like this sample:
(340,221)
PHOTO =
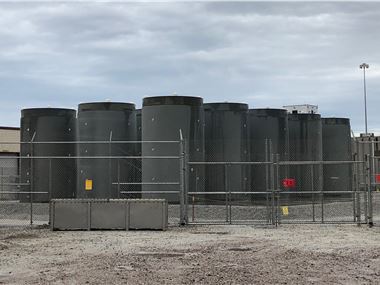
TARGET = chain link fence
(228,197)
(299,185)
(12,212)
(96,170)
(321,198)
(261,187)
(368,148)
(277,201)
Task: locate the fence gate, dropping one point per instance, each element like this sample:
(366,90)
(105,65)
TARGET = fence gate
(368,149)
(374,177)
(275,192)
(223,193)
(321,192)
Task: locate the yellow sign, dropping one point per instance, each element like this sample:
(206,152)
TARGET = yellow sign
(88,185)
(285,210)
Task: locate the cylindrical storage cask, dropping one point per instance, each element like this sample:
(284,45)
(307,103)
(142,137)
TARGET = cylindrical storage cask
(336,139)
(163,118)
(268,141)
(104,166)
(305,144)
(48,138)
(226,140)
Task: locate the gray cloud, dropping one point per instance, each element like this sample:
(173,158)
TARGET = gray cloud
(265,54)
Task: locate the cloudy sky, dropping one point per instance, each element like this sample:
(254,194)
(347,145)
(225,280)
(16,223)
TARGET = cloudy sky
(265,54)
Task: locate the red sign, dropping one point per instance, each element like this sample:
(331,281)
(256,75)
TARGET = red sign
(377,176)
(289,182)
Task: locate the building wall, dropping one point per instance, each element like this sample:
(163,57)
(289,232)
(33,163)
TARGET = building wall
(302,109)
(9,135)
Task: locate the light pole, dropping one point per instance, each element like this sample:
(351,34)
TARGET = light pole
(365,66)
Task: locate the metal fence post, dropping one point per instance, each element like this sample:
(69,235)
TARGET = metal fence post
(110,166)
(193,197)
(226,189)
(271,183)
(50,190)
(365,192)
(2,182)
(50,180)
(312,190)
(229,197)
(358,200)
(355,188)
(357,184)
(269,213)
(322,187)
(276,184)
(31,180)
(118,178)
(371,184)
(182,192)
(186,175)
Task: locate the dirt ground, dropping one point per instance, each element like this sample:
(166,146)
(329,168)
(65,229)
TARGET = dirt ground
(290,254)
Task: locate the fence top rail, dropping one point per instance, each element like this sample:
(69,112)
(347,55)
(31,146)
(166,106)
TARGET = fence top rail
(228,162)
(309,162)
(145,183)
(227,193)
(22,192)
(190,162)
(270,192)
(271,162)
(150,192)
(368,142)
(87,142)
(316,192)
(91,157)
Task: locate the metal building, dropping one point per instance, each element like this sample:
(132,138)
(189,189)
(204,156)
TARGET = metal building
(226,140)
(47,133)
(336,139)
(162,119)
(103,129)
(305,144)
(301,109)
(268,140)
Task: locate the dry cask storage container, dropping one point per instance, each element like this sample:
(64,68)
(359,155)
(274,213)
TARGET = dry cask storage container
(226,140)
(305,144)
(50,167)
(336,140)
(268,140)
(162,119)
(104,129)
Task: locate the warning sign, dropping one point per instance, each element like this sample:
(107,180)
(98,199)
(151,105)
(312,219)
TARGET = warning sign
(285,210)
(289,183)
(88,185)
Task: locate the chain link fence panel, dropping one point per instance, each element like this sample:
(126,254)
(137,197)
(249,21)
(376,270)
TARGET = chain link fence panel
(29,182)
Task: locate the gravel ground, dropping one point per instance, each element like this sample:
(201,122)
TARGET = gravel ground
(290,254)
